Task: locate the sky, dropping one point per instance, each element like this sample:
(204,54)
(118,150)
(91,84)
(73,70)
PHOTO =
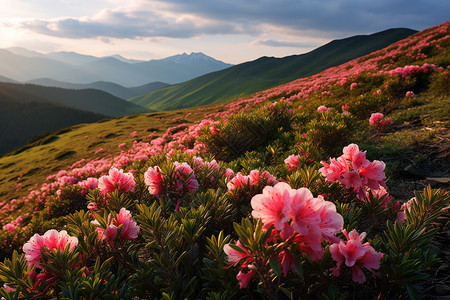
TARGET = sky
(233,31)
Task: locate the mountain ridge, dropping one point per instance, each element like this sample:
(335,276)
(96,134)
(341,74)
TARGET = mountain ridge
(24,65)
(265,72)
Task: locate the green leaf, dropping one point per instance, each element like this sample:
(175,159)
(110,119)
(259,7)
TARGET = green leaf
(411,291)
(298,266)
(275,267)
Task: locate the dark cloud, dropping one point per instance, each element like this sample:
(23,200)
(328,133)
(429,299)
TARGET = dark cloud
(185,19)
(337,16)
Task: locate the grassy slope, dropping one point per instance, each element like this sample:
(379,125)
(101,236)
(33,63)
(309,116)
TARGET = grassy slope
(266,72)
(61,149)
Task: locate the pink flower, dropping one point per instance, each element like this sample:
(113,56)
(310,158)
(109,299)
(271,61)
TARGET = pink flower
(92,206)
(9,227)
(254,177)
(270,178)
(323,109)
(244,278)
(229,174)
(9,289)
(273,205)
(237,181)
(401,216)
(331,222)
(121,145)
(353,85)
(355,171)
(287,262)
(90,183)
(335,169)
(185,178)
(373,174)
(236,256)
(355,254)
(52,239)
(409,94)
(110,233)
(375,118)
(153,178)
(292,162)
(129,229)
(213,129)
(305,211)
(351,179)
(124,182)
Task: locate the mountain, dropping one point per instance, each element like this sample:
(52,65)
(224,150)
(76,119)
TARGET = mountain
(23,65)
(6,79)
(72,58)
(23,68)
(127,60)
(109,87)
(266,72)
(89,99)
(24,116)
(28,110)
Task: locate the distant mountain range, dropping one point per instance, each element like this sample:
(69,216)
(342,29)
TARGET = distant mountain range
(266,72)
(23,65)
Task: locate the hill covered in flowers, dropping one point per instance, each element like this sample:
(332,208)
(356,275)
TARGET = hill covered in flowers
(314,189)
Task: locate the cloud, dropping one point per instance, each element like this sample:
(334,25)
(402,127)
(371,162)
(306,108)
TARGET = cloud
(138,20)
(275,43)
(347,16)
(186,19)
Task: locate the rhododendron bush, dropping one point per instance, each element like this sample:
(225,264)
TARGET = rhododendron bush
(278,196)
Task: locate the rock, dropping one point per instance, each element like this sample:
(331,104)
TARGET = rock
(434,181)
(412,170)
(442,289)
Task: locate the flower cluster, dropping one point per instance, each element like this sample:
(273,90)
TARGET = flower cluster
(298,218)
(355,254)
(323,109)
(355,171)
(255,178)
(292,162)
(182,179)
(413,69)
(377,120)
(299,213)
(128,229)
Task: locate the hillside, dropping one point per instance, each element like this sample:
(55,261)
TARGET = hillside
(266,72)
(301,191)
(109,87)
(22,119)
(89,99)
(30,110)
